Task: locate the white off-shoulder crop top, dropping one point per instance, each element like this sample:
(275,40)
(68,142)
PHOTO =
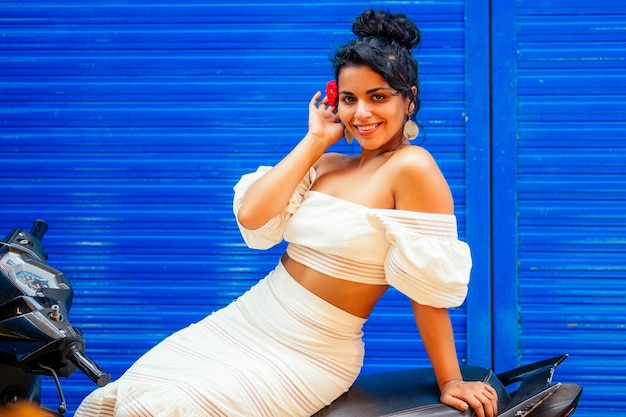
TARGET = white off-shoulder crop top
(417,253)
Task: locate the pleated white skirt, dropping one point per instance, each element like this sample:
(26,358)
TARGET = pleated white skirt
(278,350)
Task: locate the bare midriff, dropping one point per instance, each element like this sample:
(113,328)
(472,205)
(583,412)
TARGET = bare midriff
(353,297)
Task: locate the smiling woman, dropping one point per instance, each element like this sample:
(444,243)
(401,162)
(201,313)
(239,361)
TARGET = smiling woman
(356,225)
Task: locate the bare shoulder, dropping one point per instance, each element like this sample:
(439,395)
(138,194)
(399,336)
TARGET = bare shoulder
(418,183)
(414,159)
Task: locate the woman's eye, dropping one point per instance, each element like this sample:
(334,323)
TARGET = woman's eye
(348,99)
(378,97)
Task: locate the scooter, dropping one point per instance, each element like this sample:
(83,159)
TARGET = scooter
(36,336)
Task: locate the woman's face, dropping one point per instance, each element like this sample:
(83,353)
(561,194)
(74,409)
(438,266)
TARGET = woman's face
(372,111)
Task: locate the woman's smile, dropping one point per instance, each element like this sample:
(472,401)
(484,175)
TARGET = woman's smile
(366,129)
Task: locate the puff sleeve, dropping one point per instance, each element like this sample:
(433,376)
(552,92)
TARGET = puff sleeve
(425,260)
(271,233)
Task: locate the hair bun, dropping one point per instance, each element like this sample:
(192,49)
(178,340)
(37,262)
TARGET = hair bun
(387,26)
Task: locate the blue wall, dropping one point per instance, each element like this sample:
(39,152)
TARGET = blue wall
(126,124)
(559,191)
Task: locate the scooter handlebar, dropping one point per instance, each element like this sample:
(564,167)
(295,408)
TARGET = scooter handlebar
(75,354)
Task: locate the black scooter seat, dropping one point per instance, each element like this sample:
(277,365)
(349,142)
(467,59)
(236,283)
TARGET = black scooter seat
(407,393)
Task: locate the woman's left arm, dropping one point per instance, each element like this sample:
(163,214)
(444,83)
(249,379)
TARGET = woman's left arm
(436,331)
(420,186)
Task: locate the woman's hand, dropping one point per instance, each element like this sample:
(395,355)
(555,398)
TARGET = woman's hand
(324,124)
(475,394)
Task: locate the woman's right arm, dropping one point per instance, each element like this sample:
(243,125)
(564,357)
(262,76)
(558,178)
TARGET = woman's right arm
(269,195)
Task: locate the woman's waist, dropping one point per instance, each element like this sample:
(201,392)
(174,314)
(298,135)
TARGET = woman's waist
(350,296)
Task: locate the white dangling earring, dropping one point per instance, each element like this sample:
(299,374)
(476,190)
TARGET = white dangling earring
(411,130)
(348,136)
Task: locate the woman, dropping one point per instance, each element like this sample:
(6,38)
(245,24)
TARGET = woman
(355,225)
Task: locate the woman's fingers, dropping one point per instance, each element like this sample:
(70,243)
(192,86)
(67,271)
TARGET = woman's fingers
(315,99)
(324,123)
(328,112)
(483,406)
(321,104)
(479,396)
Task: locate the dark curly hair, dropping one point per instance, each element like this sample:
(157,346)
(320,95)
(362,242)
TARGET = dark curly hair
(384,43)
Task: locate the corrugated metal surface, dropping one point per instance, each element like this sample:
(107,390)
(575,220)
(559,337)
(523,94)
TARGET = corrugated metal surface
(571,192)
(125,125)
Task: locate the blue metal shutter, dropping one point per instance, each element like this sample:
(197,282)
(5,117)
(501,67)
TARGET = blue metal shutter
(561,261)
(125,126)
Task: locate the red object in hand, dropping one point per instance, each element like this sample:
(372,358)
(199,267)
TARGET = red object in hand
(331,93)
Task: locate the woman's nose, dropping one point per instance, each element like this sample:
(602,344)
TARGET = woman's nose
(362,110)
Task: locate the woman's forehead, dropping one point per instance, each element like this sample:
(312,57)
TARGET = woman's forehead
(361,78)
